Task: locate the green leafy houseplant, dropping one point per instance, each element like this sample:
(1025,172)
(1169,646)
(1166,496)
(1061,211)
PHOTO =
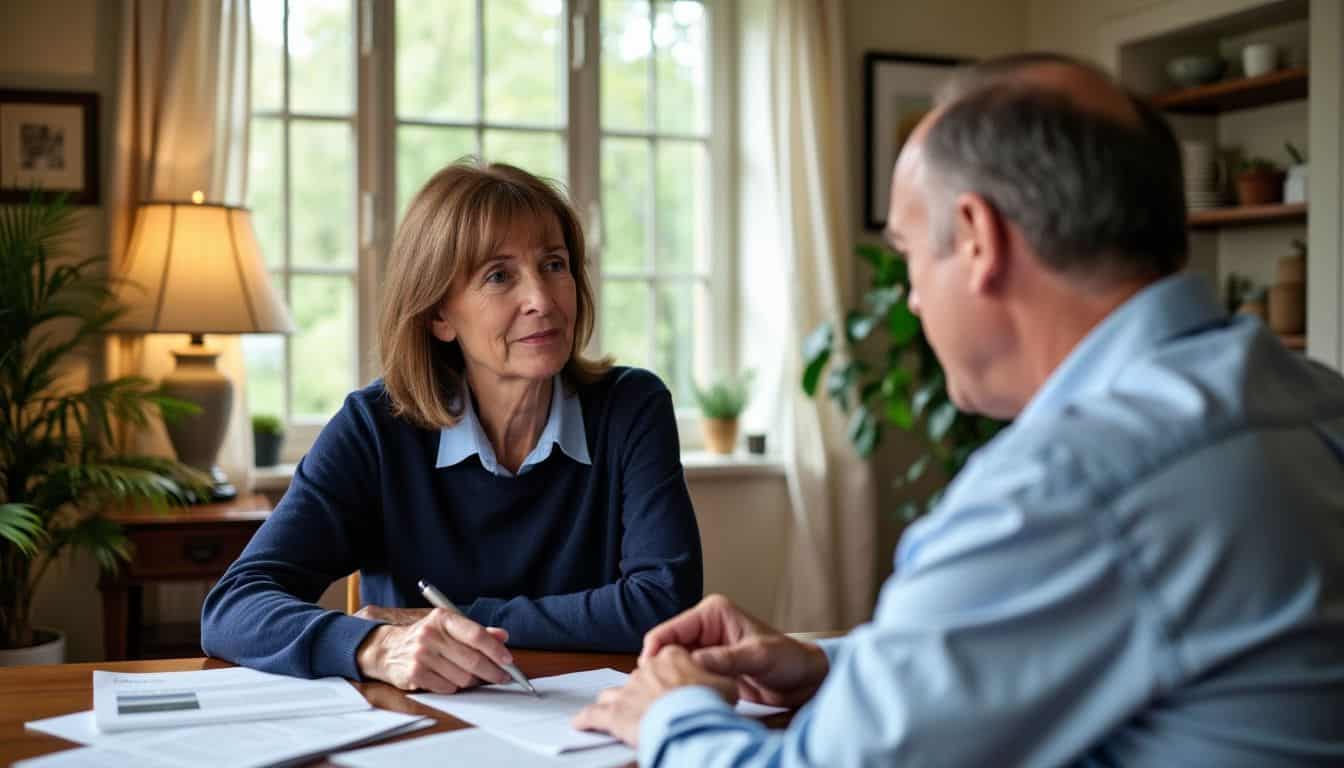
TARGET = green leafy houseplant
(905,388)
(266,424)
(268,432)
(57,465)
(725,397)
(721,403)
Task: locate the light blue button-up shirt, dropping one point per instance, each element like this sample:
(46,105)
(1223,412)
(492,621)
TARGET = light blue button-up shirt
(564,429)
(1146,568)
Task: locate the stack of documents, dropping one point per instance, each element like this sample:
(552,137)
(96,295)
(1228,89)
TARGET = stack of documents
(125,701)
(236,717)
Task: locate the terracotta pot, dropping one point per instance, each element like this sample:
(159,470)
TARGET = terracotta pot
(1259,187)
(1288,307)
(1292,269)
(720,434)
(50,649)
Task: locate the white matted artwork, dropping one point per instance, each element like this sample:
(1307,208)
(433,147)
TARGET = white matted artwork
(898,91)
(48,142)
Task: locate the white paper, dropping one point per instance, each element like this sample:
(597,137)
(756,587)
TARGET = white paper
(126,701)
(543,723)
(476,747)
(233,745)
(93,757)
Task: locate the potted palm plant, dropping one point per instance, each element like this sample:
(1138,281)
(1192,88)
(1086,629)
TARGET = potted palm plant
(720,404)
(58,467)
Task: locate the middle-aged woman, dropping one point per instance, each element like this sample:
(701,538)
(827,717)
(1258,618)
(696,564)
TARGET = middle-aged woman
(542,492)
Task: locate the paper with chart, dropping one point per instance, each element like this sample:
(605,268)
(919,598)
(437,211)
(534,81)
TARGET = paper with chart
(543,723)
(230,745)
(478,748)
(125,701)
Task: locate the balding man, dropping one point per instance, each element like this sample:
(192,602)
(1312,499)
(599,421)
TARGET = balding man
(1146,568)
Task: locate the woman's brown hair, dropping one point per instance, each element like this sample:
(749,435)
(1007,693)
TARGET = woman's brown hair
(457,221)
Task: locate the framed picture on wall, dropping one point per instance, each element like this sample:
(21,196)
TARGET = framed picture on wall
(898,91)
(49,141)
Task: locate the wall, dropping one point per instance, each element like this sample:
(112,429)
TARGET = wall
(972,29)
(68,45)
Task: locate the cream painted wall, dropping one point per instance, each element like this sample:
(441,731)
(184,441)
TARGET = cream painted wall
(971,29)
(68,45)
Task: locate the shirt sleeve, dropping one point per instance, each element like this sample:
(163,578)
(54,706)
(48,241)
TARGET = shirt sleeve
(661,563)
(263,612)
(997,622)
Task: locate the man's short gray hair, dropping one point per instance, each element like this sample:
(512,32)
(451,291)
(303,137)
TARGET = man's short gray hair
(1093,194)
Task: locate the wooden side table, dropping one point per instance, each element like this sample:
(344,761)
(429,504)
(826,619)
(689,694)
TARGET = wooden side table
(184,544)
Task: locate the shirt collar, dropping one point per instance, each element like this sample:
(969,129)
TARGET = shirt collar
(564,428)
(1171,307)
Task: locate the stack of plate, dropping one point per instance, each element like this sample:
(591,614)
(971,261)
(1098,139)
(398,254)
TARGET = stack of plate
(1202,178)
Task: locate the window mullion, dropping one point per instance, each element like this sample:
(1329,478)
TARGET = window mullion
(286,219)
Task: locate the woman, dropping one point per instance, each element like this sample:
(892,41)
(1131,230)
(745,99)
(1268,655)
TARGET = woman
(542,492)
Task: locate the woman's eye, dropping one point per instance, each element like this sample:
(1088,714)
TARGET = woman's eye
(557,265)
(496,276)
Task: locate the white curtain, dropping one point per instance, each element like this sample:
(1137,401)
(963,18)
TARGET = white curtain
(182,112)
(797,265)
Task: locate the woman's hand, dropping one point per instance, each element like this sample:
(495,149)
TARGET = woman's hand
(441,652)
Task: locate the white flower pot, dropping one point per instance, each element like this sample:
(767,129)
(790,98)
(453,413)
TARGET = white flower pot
(50,649)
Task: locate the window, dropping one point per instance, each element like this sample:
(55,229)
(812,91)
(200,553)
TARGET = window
(301,188)
(512,81)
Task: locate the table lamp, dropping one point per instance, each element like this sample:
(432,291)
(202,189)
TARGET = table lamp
(195,267)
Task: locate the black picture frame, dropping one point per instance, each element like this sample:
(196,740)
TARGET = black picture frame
(49,142)
(898,89)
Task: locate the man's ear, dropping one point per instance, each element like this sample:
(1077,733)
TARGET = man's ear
(442,328)
(980,238)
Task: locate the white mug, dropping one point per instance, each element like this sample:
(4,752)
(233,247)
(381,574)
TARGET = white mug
(1259,59)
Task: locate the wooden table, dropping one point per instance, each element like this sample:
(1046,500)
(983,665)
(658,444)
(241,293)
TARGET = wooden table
(33,693)
(194,543)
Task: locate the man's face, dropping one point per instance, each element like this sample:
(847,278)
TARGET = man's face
(939,278)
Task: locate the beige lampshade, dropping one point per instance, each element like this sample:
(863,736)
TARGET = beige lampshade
(196,268)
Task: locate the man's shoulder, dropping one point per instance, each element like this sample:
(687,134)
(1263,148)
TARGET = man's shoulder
(1186,398)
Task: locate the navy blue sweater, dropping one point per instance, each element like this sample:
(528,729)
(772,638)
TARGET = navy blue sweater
(566,556)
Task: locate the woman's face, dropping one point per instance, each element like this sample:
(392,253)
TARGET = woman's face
(514,315)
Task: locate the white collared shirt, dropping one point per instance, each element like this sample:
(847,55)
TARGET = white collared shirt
(564,428)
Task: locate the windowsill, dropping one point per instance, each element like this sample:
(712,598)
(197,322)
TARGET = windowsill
(698,464)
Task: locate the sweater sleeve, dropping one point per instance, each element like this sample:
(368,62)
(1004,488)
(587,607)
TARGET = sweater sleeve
(263,613)
(661,565)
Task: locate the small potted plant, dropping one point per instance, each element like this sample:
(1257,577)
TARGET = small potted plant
(720,405)
(267,435)
(1259,182)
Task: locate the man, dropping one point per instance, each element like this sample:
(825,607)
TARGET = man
(1146,568)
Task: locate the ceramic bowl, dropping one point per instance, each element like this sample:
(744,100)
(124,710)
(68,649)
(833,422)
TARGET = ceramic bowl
(1189,71)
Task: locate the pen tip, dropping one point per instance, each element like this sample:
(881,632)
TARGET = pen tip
(421,585)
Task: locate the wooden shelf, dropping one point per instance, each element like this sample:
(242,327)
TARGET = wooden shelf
(1293,340)
(1246,215)
(1243,93)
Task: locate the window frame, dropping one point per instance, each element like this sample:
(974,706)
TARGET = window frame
(375,126)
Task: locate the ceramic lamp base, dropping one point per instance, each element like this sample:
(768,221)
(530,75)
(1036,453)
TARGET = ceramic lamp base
(196,438)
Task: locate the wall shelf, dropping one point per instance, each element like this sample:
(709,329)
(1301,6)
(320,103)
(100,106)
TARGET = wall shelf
(1247,215)
(1241,93)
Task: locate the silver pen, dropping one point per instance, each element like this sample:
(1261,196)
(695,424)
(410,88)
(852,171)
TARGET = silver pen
(437,599)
